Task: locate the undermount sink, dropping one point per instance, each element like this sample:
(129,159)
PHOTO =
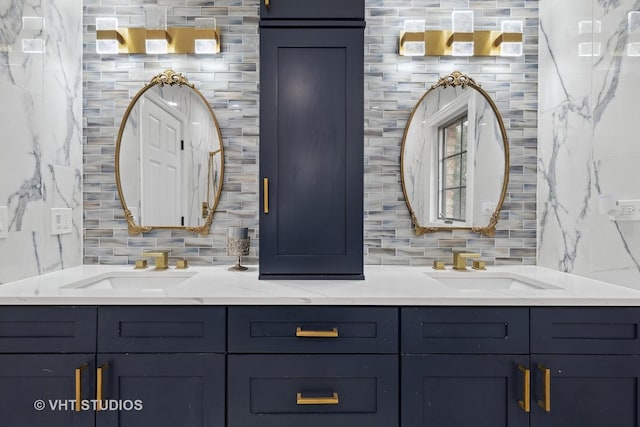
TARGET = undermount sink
(135,280)
(470,281)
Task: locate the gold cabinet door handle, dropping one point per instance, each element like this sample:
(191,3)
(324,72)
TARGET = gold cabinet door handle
(546,403)
(267,3)
(79,387)
(329,400)
(265,194)
(100,385)
(525,403)
(332,333)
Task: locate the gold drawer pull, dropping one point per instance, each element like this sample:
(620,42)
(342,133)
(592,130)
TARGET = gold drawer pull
(525,403)
(267,3)
(79,387)
(265,195)
(333,333)
(332,400)
(546,403)
(99,385)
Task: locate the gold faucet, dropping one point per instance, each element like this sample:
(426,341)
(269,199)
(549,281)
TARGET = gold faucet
(460,259)
(161,257)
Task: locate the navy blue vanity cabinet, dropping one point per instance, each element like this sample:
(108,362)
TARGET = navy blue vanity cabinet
(464,366)
(312,140)
(337,366)
(47,360)
(168,361)
(585,366)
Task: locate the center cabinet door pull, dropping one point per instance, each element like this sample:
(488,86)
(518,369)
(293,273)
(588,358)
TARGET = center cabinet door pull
(332,400)
(546,403)
(333,333)
(99,385)
(79,387)
(525,403)
(265,194)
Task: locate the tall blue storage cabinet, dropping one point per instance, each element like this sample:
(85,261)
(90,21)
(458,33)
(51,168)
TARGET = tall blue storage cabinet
(311,139)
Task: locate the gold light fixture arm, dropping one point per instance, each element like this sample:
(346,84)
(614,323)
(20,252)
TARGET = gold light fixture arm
(179,39)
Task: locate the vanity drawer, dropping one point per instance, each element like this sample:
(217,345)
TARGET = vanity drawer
(465,330)
(585,330)
(161,329)
(279,390)
(313,330)
(47,329)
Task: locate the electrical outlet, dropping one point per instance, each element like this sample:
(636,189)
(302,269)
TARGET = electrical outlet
(61,221)
(628,210)
(4,222)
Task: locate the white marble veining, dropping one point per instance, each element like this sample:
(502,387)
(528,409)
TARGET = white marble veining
(383,285)
(41,127)
(587,137)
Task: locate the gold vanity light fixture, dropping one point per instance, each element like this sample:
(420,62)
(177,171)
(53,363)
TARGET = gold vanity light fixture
(204,38)
(461,40)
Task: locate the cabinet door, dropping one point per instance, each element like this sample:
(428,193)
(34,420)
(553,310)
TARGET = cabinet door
(39,390)
(311,152)
(159,390)
(586,391)
(463,391)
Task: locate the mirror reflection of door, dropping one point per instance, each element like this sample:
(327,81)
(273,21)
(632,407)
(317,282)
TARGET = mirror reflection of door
(161,136)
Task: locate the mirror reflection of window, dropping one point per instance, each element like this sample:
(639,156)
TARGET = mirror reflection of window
(455,159)
(452,162)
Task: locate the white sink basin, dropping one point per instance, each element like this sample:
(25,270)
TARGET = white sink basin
(135,280)
(470,281)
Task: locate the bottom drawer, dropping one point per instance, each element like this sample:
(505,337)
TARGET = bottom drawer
(313,391)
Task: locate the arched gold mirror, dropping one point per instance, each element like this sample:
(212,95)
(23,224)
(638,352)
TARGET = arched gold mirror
(169,157)
(455,159)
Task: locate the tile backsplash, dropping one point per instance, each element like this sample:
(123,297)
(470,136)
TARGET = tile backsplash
(229,81)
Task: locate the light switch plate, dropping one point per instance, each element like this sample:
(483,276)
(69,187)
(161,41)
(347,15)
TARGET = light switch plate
(61,221)
(4,222)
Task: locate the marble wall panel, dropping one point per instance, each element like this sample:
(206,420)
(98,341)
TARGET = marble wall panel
(588,148)
(41,127)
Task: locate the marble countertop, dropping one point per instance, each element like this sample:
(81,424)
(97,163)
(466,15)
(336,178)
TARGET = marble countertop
(383,286)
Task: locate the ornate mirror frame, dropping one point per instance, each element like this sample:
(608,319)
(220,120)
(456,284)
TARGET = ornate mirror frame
(457,79)
(171,78)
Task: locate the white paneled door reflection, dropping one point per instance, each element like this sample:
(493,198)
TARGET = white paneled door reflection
(161,198)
